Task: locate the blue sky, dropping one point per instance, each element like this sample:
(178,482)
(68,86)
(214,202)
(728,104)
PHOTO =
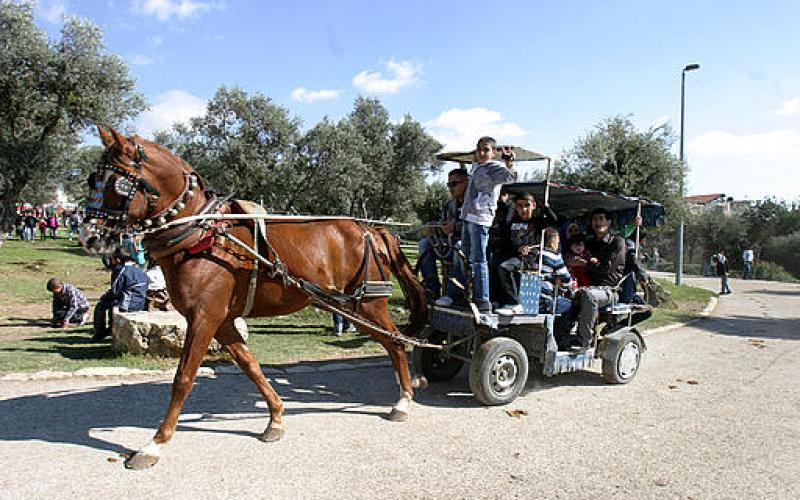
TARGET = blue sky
(537,74)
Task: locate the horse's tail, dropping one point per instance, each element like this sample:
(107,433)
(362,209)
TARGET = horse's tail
(412,288)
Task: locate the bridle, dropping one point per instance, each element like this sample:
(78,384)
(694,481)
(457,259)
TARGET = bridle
(126,185)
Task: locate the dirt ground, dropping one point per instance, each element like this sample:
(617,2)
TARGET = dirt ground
(713,413)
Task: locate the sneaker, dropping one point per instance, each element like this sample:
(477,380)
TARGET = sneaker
(483,306)
(444,301)
(84,319)
(352,329)
(510,310)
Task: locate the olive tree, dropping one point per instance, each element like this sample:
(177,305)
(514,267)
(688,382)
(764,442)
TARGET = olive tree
(50,92)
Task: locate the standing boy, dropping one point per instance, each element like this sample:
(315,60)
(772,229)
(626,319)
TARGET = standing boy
(480,202)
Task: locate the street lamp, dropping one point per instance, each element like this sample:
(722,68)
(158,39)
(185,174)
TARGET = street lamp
(679,238)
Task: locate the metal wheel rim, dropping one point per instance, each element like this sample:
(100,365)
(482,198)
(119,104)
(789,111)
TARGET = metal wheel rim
(628,360)
(503,374)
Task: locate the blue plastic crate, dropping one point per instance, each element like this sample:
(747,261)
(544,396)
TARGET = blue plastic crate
(530,286)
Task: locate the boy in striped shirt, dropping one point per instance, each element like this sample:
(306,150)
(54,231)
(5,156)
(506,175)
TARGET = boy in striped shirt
(553,269)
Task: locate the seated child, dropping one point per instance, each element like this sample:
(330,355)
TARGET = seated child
(553,269)
(69,304)
(576,258)
(128,291)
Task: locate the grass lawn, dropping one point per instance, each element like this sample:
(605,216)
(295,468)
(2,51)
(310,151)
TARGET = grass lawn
(28,344)
(688,301)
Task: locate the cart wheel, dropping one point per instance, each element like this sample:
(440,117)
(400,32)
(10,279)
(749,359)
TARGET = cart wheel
(499,371)
(621,359)
(434,364)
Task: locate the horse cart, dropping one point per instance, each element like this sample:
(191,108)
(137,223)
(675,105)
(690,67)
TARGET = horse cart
(503,349)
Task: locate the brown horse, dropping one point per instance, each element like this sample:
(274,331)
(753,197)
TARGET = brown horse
(144,187)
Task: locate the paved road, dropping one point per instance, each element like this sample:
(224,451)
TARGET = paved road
(715,412)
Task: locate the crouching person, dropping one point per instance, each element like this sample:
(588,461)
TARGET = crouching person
(69,304)
(128,292)
(554,273)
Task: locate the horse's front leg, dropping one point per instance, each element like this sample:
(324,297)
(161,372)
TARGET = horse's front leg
(200,331)
(229,336)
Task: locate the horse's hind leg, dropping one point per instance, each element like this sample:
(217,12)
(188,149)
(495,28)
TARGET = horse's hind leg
(378,312)
(229,337)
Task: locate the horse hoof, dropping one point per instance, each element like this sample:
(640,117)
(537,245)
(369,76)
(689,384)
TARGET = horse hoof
(419,382)
(272,434)
(397,416)
(140,461)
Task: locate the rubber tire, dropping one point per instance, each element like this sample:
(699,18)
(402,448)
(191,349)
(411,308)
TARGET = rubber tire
(611,358)
(431,365)
(484,360)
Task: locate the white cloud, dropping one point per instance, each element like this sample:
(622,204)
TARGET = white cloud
(141,60)
(750,165)
(400,74)
(53,10)
(789,107)
(171,107)
(301,94)
(459,129)
(156,40)
(165,9)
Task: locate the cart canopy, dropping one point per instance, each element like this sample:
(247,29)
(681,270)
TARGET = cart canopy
(573,202)
(520,153)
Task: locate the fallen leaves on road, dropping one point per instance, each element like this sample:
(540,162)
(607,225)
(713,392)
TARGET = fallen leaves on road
(517,413)
(757,343)
(515,455)
(692,382)
(672,386)
(660,482)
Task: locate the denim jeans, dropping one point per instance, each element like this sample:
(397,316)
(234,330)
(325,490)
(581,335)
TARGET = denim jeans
(427,266)
(474,239)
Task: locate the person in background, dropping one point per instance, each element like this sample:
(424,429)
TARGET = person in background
(30,226)
(52,224)
(747,261)
(69,304)
(721,266)
(480,202)
(341,325)
(133,244)
(73,222)
(42,228)
(128,292)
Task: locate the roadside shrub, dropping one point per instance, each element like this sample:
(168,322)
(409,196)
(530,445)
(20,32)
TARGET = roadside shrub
(770,271)
(783,250)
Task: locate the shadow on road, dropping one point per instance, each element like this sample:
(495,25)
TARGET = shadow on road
(784,293)
(68,416)
(752,326)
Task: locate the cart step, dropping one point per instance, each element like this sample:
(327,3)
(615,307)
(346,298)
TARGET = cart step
(566,362)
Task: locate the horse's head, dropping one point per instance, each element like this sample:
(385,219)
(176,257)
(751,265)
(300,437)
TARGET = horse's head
(139,185)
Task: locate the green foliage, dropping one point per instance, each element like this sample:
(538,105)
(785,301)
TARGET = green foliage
(770,271)
(243,145)
(430,208)
(49,93)
(618,158)
(783,250)
(363,165)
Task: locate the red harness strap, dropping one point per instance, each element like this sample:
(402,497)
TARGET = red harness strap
(207,241)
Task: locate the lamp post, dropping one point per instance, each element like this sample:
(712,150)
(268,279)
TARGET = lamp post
(679,238)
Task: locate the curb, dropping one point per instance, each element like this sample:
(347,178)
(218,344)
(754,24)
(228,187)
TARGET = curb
(101,373)
(712,304)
